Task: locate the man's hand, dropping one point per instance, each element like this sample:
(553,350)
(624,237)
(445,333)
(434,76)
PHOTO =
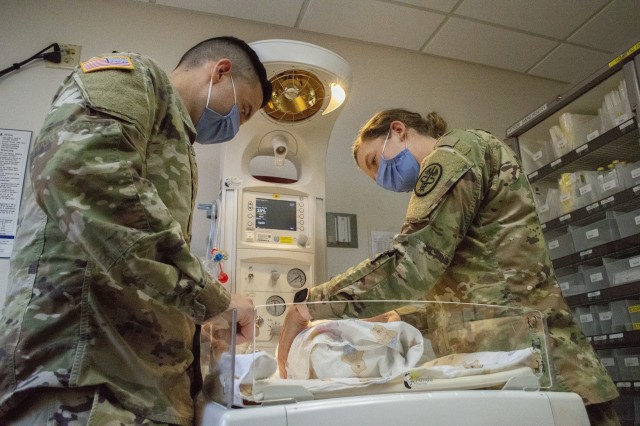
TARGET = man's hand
(245,323)
(294,322)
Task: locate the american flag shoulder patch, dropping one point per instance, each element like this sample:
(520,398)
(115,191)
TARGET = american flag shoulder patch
(107,63)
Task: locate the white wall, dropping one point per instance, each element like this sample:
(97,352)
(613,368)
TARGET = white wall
(466,95)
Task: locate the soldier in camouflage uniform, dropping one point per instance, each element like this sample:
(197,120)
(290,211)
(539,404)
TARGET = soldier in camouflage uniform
(104,295)
(471,235)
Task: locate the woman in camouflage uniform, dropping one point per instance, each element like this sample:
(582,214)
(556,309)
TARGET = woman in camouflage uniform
(471,235)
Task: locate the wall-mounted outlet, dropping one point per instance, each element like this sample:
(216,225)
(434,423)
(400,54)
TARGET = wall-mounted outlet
(70,56)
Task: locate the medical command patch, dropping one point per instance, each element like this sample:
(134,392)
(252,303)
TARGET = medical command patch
(107,63)
(428,179)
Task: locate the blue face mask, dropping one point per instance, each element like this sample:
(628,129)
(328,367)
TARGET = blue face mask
(216,128)
(399,173)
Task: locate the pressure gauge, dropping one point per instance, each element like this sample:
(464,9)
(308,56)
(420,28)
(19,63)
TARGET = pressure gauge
(296,278)
(275,305)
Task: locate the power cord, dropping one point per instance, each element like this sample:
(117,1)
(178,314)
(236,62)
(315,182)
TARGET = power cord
(55,56)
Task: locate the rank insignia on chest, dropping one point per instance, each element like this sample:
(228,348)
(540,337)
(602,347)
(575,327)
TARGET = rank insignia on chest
(428,179)
(107,63)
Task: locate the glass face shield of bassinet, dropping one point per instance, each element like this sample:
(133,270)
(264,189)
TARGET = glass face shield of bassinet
(374,347)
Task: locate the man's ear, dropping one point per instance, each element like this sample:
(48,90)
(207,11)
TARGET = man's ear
(222,66)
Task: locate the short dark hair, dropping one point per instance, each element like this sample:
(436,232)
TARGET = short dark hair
(245,60)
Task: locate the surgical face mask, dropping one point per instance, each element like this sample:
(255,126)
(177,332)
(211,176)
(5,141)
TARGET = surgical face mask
(216,128)
(399,173)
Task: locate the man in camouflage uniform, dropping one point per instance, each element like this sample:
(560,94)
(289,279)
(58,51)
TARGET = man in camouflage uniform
(104,294)
(471,235)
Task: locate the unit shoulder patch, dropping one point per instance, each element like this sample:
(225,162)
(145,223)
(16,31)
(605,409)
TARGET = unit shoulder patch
(428,179)
(444,169)
(107,63)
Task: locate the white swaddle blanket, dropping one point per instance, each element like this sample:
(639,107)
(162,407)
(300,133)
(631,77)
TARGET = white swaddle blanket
(354,348)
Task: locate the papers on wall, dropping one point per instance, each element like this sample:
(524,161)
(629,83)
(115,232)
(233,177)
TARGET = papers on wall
(380,241)
(14,150)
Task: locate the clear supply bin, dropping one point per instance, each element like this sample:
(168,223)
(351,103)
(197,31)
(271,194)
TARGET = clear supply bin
(559,143)
(631,174)
(622,271)
(547,200)
(535,155)
(594,277)
(595,234)
(629,223)
(634,314)
(559,244)
(587,188)
(608,182)
(620,318)
(628,362)
(616,108)
(568,188)
(588,320)
(604,316)
(570,282)
(354,351)
(625,406)
(608,359)
(576,127)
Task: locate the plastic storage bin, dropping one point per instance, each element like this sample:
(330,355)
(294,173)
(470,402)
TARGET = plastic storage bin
(547,201)
(634,314)
(588,321)
(604,317)
(608,359)
(535,155)
(628,362)
(625,408)
(576,127)
(594,277)
(595,234)
(631,174)
(620,318)
(559,244)
(629,223)
(622,271)
(571,282)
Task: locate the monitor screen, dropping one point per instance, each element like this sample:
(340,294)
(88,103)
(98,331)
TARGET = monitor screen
(275,214)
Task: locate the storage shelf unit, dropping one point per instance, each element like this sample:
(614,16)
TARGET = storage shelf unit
(619,141)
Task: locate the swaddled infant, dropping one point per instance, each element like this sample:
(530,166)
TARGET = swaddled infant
(354,348)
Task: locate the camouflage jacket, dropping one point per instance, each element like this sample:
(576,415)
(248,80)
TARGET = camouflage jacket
(103,287)
(472,235)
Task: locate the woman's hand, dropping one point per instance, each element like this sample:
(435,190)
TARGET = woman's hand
(390,316)
(295,321)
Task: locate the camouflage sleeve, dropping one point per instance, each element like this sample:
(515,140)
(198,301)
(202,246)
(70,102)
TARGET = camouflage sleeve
(87,173)
(441,209)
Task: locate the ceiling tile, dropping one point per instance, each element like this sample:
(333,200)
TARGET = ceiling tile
(620,21)
(484,44)
(372,21)
(281,12)
(570,63)
(442,5)
(552,18)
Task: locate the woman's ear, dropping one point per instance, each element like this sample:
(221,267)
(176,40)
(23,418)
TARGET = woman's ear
(399,128)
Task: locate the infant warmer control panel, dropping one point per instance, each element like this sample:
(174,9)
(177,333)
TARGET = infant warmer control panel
(272,283)
(277,221)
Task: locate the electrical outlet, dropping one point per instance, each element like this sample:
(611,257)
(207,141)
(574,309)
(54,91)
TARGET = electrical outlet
(70,56)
